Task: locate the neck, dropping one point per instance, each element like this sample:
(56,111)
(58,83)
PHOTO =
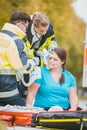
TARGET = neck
(57,72)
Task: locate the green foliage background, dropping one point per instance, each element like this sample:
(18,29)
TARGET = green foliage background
(69,30)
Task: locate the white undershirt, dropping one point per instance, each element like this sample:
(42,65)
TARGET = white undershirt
(36,36)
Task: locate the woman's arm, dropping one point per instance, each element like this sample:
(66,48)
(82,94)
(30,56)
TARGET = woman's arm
(73,98)
(32,91)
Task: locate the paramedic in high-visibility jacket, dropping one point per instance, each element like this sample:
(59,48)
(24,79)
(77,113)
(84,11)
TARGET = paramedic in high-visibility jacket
(40,35)
(14,63)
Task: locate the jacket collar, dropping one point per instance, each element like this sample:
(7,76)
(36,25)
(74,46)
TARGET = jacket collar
(13,28)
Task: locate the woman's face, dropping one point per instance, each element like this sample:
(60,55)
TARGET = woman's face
(54,61)
(41,30)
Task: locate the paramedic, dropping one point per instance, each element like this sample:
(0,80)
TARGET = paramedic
(14,62)
(40,35)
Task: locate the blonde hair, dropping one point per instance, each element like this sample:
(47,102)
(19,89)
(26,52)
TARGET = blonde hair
(40,19)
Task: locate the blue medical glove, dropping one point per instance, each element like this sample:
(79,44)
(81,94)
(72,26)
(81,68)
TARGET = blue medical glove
(36,61)
(52,48)
(45,55)
(40,53)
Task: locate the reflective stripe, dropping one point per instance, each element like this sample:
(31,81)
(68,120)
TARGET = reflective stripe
(15,38)
(60,120)
(17,72)
(7,71)
(84,119)
(30,63)
(8,93)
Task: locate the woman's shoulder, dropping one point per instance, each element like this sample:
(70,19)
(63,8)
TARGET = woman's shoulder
(68,73)
(44,69)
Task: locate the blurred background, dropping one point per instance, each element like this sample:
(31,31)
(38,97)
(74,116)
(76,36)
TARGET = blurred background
(69,29)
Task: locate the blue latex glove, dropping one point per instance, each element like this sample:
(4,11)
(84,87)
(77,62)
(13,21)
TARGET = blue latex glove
(40,53)
(45,55)
(36,61)
(52,48)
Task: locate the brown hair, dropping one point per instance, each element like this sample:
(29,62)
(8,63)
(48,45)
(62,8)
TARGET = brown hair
(19,16)
(40,19)
(61,53)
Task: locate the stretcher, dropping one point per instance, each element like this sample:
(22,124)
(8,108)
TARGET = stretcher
(19,115)
(69,120)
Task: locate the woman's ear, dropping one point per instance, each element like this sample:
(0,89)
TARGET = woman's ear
(63,62)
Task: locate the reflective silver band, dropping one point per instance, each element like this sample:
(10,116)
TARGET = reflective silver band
(15,38)
(18,72)
(21,69)
(7,71)
(8,93)
(27,51)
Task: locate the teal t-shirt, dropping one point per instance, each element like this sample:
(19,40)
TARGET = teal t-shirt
(52,93)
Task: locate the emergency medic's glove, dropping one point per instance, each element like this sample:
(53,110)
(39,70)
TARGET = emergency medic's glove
(52,47)
(40,57)
(45,55)
(33,62)
(36,61)
(30,65)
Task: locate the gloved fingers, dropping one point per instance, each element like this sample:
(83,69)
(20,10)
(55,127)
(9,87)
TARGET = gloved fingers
(31,65)
(40,53)
(36,61)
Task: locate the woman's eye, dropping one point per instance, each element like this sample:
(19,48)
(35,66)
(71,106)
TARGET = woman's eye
(50,58)
(55,59)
